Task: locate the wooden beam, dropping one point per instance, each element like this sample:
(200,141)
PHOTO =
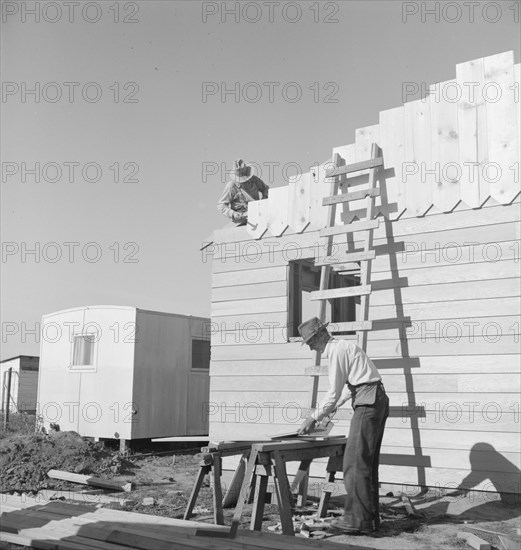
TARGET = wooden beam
(348,257)
(346,327)
(349,228)
(89,480)
(475,542)
(355,167)
(340,292)
(348,197)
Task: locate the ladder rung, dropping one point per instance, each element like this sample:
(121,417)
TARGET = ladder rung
(349,228)
(348,197)
(362,290)
(343,269)
(349,257)
(354,325)
(316,371)
(355,167)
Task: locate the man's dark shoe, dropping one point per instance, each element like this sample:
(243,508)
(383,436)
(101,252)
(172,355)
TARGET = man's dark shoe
(340,526)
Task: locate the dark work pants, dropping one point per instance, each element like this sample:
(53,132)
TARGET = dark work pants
(361,461)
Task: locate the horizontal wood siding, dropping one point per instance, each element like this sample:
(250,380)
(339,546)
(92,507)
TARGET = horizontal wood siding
(445,305)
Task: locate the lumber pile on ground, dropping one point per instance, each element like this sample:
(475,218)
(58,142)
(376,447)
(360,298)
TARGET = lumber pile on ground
(69,526)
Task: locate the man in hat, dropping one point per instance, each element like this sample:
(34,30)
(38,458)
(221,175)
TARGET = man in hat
(243,188)
(348,364)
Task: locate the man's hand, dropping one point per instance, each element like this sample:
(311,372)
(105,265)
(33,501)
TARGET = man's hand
(307,426)
(238,216)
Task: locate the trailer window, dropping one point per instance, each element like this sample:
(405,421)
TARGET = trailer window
(304,277)
(83,351)
(200,354)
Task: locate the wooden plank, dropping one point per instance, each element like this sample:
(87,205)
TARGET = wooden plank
(488,243)
(247,292)
(355,167)
(248,476)
(258,215)
(472,129)
(347,257)
(451,309)
(320,187)
(392,142)
(457,441)
(448,364)
(448,416)
(474,541)
(443,383)
(445,148)
(284,496)
(446,321)
(340,292)
(217,494)
(233,490)
(517,97)
(278,211)
(503,140)
(352,326)
(447,274)
(299,196)
(487,344)
(352,196)
(349,228)
(89,480)
(253,306)
(249,277)
(364,139)
(229,254)
(448,291)
(418,159)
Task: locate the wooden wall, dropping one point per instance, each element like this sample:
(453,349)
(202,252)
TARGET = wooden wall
(450,366)
(141,384)
(446,291)
(458,146)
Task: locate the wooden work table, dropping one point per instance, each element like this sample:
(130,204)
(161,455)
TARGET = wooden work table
(259,462)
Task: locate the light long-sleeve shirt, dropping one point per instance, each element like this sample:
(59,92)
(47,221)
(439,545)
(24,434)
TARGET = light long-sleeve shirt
(348,364)
(236,196)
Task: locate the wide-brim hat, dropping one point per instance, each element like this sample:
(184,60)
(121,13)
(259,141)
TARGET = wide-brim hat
(242,172)
(309,328)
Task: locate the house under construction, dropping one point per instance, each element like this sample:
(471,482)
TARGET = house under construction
(440,310)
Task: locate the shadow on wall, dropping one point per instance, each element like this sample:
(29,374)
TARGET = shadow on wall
(482,456)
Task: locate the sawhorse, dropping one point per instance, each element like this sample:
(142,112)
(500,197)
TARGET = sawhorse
(211,461)
(269,460)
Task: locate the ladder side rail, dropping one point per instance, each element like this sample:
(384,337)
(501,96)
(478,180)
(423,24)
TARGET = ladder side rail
(325,273)
(365,272)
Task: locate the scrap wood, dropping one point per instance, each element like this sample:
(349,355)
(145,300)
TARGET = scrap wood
(96,496)
(488,531)
(474,541)
(409,506)
(107,529)
(508,543)
(89,480)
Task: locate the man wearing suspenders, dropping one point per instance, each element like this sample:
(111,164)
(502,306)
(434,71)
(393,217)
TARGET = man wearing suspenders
(348,364)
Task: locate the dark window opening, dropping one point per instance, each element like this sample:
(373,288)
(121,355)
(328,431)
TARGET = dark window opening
(304,277)
(200,354)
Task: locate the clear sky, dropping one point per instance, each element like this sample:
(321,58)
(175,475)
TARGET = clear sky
(141,100)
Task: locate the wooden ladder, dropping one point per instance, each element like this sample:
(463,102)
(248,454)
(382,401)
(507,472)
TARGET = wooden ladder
(348,262)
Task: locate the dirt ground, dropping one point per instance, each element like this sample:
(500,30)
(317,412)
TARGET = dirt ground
(167,473)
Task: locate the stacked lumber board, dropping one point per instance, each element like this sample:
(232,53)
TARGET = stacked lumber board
(69,526)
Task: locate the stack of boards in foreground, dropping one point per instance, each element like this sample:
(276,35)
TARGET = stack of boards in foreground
(61,525)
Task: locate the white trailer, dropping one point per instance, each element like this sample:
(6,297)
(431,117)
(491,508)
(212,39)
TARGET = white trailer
(124,373)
